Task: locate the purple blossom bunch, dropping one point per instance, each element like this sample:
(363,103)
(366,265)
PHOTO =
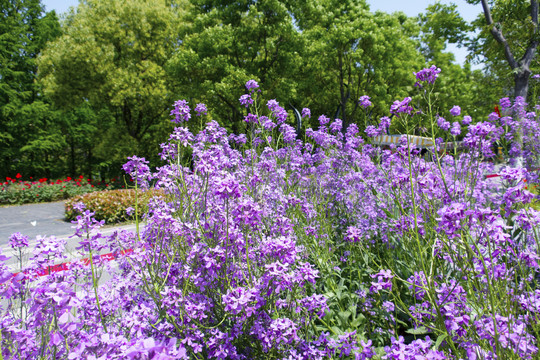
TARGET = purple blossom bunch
(246,100)
(364,101)
(137,168)
(428,75)
(18,240)
(249,244)
(455,111)
(251,85)
(181,111)
(401,107)
(201,109)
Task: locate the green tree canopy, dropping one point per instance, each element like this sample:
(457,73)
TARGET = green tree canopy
(508,39)
(29,141)
(113,55)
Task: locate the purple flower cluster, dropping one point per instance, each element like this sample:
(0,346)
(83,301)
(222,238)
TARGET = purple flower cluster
(181,111)
(428,75)
(267,246)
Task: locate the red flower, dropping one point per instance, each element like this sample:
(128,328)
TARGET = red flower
(8,179)
(68,178)
(80,177)
(497,110)
(18,176)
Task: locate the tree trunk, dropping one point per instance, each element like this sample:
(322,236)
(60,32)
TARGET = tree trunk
(521,83)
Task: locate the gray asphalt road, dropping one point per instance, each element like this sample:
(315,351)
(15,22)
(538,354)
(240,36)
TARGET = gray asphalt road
(33,219)
(46,219)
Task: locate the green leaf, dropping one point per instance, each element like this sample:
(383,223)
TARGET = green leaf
(422,330)
(439,341)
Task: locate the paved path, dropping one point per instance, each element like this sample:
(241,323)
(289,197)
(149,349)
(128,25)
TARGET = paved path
(32,220)
(45,219)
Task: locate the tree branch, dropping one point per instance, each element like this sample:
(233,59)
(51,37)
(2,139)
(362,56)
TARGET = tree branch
(499,37)
(531,49)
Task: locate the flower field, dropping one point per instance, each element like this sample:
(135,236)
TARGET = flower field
(266,246)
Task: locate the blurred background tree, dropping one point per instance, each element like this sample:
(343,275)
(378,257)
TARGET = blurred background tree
(30,140)
(110,71)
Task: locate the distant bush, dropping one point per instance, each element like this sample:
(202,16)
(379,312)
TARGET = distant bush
(113,206)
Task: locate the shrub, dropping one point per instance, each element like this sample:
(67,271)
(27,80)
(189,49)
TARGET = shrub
(15,191)
(112,206)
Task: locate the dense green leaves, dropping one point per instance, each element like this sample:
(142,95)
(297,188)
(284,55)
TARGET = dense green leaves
(112,54)
(28,138)
(107,84)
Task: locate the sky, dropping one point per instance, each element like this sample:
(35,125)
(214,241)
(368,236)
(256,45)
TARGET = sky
(409,7)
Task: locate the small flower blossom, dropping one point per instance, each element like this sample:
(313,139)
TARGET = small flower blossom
(456,129)
(323,119)
(428,75)
(505,103)
(364,101)
(443,124)
(455,111)
(200,109)
(306,113)
(401,107)
(250,118)
(181,111)
(466,120)
(18,240)
(246,100)
(252,85)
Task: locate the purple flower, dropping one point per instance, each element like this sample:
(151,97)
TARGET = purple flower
(251,85)
(18,240)
(428,75)
(201,109)
(272,105)
(466,120)
(323,119)
(246,100)
(336,126)
(372,131)
(250,118)
(401,107)
(181,111)
(536,76)
(443,124)
(455,111)
(384,281)
(306,113)
(138,169)
(456,129)
(505,103)
(364,101)
(493,117)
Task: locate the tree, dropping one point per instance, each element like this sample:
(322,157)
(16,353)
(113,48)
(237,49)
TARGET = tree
(440,25)
(513,25)
(112,55)
(230,42)
(352,52)
(29,141)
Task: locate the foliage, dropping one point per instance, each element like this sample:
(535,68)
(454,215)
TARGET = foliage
(112,56)
(29,139)
(508,41)
(15,191)
(271,247)
(112,206)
